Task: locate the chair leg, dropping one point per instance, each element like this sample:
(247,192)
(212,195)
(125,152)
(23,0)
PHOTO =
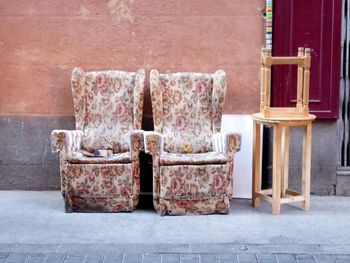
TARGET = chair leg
(306,166)
(285,159)
(276,180)
(256,164)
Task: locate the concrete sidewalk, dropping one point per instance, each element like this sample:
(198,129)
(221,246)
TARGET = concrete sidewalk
(35,224)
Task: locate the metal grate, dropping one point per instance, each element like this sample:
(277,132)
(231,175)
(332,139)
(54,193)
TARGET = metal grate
(344,116)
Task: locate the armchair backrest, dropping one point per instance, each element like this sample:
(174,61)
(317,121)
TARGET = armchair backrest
(187,109)
(108,106)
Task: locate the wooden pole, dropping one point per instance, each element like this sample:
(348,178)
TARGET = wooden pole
(268,82)
(306,81)
(300,82)
(256,164)
(306,168)
(276,169)
(262,92)
(285,159)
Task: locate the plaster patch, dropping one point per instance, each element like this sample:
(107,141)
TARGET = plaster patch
(84,11)
(121,9)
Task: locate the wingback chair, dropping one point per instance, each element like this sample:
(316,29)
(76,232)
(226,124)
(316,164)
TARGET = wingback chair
(108,111)
(192,160)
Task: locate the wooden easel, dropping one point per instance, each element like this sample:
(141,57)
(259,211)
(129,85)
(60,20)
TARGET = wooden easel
(281,119)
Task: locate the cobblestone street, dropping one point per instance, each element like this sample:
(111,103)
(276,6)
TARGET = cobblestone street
(170,258)
(35,228)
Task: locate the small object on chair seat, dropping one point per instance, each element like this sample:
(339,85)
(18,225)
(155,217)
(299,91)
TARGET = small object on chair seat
(87,154)
(100,153)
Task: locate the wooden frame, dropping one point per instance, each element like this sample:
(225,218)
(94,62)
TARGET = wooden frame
(280,193)
(303,61)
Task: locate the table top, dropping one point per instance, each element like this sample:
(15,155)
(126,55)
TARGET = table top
(259,117)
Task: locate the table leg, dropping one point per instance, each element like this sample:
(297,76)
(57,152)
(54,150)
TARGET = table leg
(276,171)
(306,170)
(256,164)
(285,159)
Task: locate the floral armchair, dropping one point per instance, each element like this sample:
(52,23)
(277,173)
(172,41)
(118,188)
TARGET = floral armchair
(108,112)
(192,160)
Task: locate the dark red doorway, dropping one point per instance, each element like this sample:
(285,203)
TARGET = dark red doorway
(315,24)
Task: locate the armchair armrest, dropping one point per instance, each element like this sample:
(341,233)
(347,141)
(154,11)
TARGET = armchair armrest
(136,143)
(226,142)
(153,143)
(65,141)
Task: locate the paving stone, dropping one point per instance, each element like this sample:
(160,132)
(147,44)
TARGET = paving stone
(285,258)
(113,258)
(324,259)
(342,258)
(190,260)
(55,258)
(266,258)
(74,260)
(208,258)
(16,258)
(152,258)
(228,258)
(3,257)
(132,258)
(94,258)
(305,258)
(76,255)
(189,256)
(246,258)
(170,258)
(35,258)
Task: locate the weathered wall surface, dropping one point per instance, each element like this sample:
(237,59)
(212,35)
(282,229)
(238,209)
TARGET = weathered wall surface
(323,159)
(41,41)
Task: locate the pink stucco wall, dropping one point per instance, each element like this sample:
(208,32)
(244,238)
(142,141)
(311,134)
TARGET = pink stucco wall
(41,41)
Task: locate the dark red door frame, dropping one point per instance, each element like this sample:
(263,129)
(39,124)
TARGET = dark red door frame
(315,24)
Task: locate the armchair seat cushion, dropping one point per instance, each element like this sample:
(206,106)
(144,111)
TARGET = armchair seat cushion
(193,182)
(99,180)
(80,158)
(193,158)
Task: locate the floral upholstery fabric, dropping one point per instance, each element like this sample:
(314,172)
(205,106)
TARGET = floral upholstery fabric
(66,141)
(98,204)
(79,157)
(153,142)
(107,106)
(108,112)
(192,160)
(226,142)
(187,109)
(99,180)
(193,182)
(217,205)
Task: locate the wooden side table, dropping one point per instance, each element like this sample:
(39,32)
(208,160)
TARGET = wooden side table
(280,193)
